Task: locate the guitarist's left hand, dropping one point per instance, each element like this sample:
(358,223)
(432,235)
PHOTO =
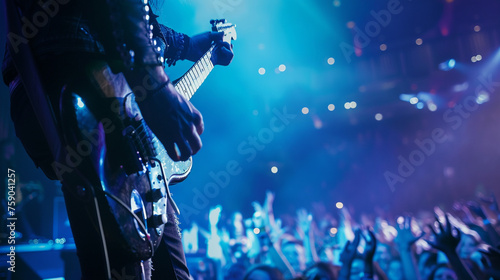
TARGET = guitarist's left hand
(199,44)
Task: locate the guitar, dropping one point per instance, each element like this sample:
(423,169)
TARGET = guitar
(133,169)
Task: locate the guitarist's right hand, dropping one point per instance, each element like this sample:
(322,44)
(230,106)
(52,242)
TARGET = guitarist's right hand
(174,120)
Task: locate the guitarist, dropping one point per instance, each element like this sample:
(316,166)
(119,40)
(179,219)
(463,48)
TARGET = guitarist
(104,48)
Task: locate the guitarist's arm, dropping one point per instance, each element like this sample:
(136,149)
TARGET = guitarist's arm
(123,28)
(192,48)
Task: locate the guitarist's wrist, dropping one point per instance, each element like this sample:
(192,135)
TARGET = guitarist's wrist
(151,95)
(147,82)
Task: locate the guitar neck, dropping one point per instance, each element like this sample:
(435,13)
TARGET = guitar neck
(189,83)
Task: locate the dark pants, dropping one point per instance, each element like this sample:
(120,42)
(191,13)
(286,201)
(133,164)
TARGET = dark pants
(169,260)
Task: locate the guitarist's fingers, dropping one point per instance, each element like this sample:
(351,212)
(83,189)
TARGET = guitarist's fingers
(184,149)
(223,54)
(198,122)
(194,140)
(196,118)
(171,151)
(226,47)
(216,36)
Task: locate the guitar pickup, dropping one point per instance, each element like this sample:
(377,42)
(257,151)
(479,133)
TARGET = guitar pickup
(155,195)
(157,220)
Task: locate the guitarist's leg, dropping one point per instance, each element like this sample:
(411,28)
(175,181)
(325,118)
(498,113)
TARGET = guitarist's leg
(169,261)
(94,260)
(86,236)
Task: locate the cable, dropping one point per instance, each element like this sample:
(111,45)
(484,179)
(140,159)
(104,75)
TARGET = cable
(141,224)
(103,237)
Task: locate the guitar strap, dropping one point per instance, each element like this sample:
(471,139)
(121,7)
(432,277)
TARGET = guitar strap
(27,71)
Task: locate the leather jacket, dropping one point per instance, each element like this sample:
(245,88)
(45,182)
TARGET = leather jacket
(123,32)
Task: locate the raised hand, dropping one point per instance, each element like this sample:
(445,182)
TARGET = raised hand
(257,207)
(491,261)
(258,215)
(370,246)
(368,253)
(466,215)
(304,220)
(214,215)
(476,209)
(447,242)
(444,239)
(351,249)
(277,231)
(270,196)
(404,241)
(405,237)
(348,255)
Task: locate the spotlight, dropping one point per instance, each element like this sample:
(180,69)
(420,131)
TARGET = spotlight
(447,65)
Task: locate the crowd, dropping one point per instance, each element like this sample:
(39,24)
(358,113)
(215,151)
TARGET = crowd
(463,243)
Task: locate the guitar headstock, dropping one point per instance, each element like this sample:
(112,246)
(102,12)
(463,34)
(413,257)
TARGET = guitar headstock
(229,29)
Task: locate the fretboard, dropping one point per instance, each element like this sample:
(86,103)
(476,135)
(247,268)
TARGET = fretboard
(189,83)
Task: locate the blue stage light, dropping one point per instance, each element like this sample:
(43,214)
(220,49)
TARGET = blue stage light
(447,65)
